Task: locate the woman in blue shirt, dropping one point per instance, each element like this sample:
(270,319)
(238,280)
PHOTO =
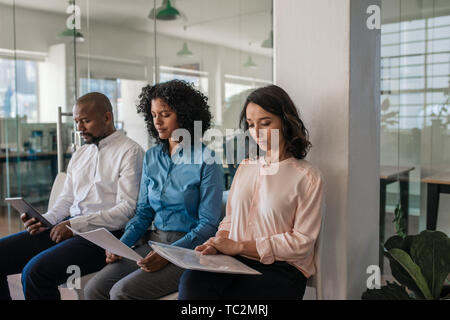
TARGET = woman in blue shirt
(180,196)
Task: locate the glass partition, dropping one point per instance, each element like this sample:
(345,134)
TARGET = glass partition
(415,88)
(37,74)
(53,51)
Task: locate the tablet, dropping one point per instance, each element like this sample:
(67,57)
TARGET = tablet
(24,207)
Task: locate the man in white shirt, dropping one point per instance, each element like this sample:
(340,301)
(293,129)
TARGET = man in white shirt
(100,190)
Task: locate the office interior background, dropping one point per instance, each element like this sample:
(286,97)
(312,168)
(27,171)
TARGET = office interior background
(226,48)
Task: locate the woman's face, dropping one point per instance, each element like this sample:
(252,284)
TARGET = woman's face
(260,124)
(164,118)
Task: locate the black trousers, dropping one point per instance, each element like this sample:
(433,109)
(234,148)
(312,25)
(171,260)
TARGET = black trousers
(279,281)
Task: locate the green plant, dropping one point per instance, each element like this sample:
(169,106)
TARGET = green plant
(400,221)
(420,263)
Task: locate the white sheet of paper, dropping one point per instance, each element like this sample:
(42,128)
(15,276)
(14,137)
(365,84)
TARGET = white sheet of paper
(191,259)
(106,240)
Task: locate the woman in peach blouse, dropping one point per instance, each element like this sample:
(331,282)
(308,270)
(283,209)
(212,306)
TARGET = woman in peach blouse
(273,213)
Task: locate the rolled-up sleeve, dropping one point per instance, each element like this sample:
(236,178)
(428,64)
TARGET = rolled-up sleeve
(299,242)
(209,210)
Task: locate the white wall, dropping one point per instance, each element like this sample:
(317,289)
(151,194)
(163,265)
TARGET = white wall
(134,124)
(52,83)
(328,62)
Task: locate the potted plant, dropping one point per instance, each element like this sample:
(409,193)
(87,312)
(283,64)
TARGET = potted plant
(419,263)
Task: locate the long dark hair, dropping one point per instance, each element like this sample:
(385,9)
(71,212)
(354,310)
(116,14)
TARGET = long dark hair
(188,103)
(275,100)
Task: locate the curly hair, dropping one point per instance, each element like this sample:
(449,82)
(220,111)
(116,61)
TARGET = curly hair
(275,100)
(188,103)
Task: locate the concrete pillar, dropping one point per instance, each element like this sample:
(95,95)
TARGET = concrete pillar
(328,61)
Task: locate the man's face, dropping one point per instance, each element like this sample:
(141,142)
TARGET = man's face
(92,123)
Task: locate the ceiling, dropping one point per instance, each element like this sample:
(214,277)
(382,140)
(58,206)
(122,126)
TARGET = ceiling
(239,24)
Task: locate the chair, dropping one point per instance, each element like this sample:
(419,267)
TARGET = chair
(57,188)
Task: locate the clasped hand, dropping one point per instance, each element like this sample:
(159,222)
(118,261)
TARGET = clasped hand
(220,244)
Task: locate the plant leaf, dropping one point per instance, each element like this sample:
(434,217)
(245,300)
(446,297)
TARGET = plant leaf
(402,276)
(392,291)
(430,250)
(413,270)
(398,242)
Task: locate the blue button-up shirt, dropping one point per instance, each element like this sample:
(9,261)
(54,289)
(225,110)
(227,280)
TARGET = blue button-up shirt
(177,197)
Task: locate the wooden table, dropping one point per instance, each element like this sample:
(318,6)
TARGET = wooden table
(388,175)
(436,184)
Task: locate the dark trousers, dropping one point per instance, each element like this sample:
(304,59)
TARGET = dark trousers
(278,281)
(44,263)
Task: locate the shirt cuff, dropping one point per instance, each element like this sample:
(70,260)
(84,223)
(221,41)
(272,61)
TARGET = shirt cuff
(79,223)
(127,238)
(265,251)
(51,218)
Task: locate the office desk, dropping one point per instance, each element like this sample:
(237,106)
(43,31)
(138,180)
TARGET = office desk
(436,184)
(388,175)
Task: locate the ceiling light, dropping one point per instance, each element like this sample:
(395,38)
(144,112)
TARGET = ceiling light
(165,12)
(184,52)
(72,33)
(250,63)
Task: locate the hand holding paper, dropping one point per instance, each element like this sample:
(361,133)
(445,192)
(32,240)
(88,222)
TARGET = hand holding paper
(106,240)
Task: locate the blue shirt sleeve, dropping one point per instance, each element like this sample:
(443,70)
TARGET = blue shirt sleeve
(209,209)
(138,225)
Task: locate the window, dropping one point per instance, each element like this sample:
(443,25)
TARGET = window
(26,94)
(189,73)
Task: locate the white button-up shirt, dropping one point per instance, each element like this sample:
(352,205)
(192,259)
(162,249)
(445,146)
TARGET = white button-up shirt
(102,185)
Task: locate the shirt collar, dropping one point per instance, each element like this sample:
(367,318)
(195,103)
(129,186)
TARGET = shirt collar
(109,139)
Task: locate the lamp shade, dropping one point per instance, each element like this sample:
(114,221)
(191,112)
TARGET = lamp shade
(184,52)
(250,63)
(71,33)
(165,12)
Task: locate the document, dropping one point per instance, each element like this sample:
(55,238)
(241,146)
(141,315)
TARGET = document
(191,259)
(106,240)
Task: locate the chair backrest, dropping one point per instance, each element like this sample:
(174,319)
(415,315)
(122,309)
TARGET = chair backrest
(57,188)
(315,281)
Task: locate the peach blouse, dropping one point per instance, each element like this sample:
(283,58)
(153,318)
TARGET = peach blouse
(280,206)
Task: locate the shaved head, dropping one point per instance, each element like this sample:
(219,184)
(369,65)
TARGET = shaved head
(93,116)
(97,100)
